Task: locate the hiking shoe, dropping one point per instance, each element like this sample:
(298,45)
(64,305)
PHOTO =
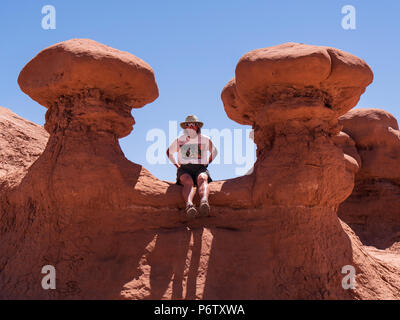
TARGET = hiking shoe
(191,211)
(204,208)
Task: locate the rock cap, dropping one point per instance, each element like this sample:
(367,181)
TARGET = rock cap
(295,75)
(67,68)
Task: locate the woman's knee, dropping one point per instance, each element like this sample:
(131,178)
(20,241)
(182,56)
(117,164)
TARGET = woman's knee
(202,178)
(186,179)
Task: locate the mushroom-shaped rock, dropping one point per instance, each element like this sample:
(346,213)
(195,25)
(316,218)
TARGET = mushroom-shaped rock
(373,209)
(292,95)
(289,78)
(90,90)
(89,82)
(377,137)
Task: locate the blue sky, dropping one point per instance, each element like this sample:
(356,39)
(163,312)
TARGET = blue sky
(193,47)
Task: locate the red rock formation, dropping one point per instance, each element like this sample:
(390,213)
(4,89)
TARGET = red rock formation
(112,230)
(293,94)
(373,209)
(347,144)
(21,143)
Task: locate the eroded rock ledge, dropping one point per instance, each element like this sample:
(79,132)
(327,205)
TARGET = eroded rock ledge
(112,230)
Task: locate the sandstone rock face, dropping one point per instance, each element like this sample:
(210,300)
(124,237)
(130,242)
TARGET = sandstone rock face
(347,144)
(113,231)
(344,142)
(373,209)
(21,143)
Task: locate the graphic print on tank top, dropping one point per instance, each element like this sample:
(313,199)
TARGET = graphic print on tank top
(193,150)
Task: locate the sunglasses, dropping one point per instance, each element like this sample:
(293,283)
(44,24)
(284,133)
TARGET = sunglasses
(188,125)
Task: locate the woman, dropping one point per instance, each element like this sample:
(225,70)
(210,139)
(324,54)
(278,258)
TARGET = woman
(192,148)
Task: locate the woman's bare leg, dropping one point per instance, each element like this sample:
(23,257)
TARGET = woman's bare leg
(202,184)
(188,190)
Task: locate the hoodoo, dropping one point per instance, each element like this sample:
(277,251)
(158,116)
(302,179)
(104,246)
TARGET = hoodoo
(373,209)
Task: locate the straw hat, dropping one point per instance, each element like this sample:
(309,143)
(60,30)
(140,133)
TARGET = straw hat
(191,119)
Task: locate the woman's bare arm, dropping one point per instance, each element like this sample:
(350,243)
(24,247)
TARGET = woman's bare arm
(173,148)
(213,152)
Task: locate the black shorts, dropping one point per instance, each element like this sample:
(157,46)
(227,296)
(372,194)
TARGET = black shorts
(193,170)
